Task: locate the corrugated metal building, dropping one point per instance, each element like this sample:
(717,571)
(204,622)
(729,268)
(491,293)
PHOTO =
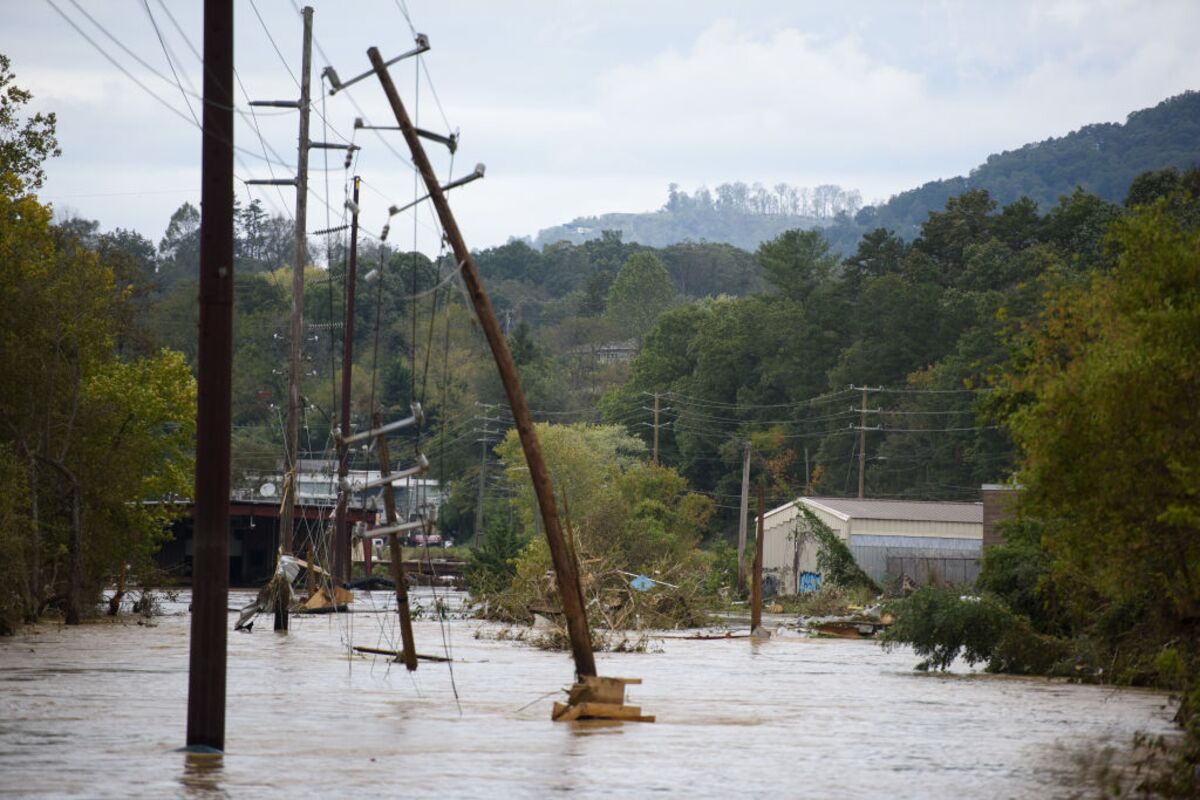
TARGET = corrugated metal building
(889,538)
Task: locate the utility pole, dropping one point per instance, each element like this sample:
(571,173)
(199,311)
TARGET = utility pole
(656,428)
(483,446)
(565,569)
(756,592)
(341,533)
(210,581)
(745,509)
(292,434)
(397,552)
(862,445)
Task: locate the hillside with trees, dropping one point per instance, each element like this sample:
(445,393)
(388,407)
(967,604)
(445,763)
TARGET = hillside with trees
(1102,159)
(735,213)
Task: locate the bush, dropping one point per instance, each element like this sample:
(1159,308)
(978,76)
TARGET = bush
(941,625)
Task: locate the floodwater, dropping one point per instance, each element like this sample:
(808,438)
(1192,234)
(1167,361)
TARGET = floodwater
(98,711)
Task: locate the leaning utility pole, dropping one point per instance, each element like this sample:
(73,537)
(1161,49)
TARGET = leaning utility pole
(395,550)
(210,563)
(565,568)
(745,509)
(341,532)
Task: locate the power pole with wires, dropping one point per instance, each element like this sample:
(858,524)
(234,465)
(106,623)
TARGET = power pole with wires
(341,534)
(210,582)
(745,509)
(862,446)
(300,182)
(566,569)
(862,439)
(483,450)
(656,428)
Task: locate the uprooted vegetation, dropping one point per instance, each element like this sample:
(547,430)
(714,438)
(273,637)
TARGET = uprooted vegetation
(634,528)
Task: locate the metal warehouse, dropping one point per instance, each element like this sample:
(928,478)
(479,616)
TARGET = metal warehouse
(922,540)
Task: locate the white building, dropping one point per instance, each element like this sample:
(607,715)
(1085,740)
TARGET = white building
(920,539)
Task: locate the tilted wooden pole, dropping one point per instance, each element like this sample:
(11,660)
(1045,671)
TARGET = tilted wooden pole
(210,564)
(398,577)
(564,565)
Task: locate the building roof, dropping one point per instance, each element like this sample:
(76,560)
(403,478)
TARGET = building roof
(915,510)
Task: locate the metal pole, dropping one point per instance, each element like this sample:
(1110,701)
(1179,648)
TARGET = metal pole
(210,564)
(341,537)
(287,531)
(745,509)
(862,445)
(565,568)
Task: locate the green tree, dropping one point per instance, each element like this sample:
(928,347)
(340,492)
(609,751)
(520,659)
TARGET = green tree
(1110,435)
(796,262)
(641,291)
(25,144)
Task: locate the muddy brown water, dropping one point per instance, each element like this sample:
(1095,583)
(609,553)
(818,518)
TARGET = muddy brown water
(97,711)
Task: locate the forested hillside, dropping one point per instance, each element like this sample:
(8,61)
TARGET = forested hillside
(1102,159)
(736,214)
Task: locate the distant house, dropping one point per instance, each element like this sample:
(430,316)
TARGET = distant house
(922,540)
(607,353)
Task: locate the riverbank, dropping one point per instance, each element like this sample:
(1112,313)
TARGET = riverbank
(97,711)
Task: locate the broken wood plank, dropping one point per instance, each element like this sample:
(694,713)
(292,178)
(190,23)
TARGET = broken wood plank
(398,654)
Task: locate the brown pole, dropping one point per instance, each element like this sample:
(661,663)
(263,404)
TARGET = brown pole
(564,565)
(341,537)
(862,446)
(291,453)
(756,591)
(210,564)
(656,428)
(398,577)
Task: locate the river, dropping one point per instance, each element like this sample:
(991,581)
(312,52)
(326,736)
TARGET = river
(98,710)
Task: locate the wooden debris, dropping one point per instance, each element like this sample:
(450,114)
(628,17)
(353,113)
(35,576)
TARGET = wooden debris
(398,654)
(322,602)
(599,698)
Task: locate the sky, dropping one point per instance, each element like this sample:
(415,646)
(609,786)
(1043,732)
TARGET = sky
(581,108)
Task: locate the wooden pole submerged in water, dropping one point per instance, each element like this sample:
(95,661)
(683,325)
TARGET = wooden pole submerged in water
(409,654)
(341,532)
(565,568)
(210,564)
(756,590)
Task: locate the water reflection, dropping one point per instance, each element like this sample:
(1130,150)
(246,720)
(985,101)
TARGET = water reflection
(202,774)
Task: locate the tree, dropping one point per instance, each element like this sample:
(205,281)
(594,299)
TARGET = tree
(796,262)
(1110,435)
(24,144)
(641,291)
(179,249)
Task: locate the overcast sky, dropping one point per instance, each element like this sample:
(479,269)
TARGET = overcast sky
(588,107)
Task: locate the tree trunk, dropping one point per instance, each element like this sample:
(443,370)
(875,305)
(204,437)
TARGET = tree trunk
(75,577)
